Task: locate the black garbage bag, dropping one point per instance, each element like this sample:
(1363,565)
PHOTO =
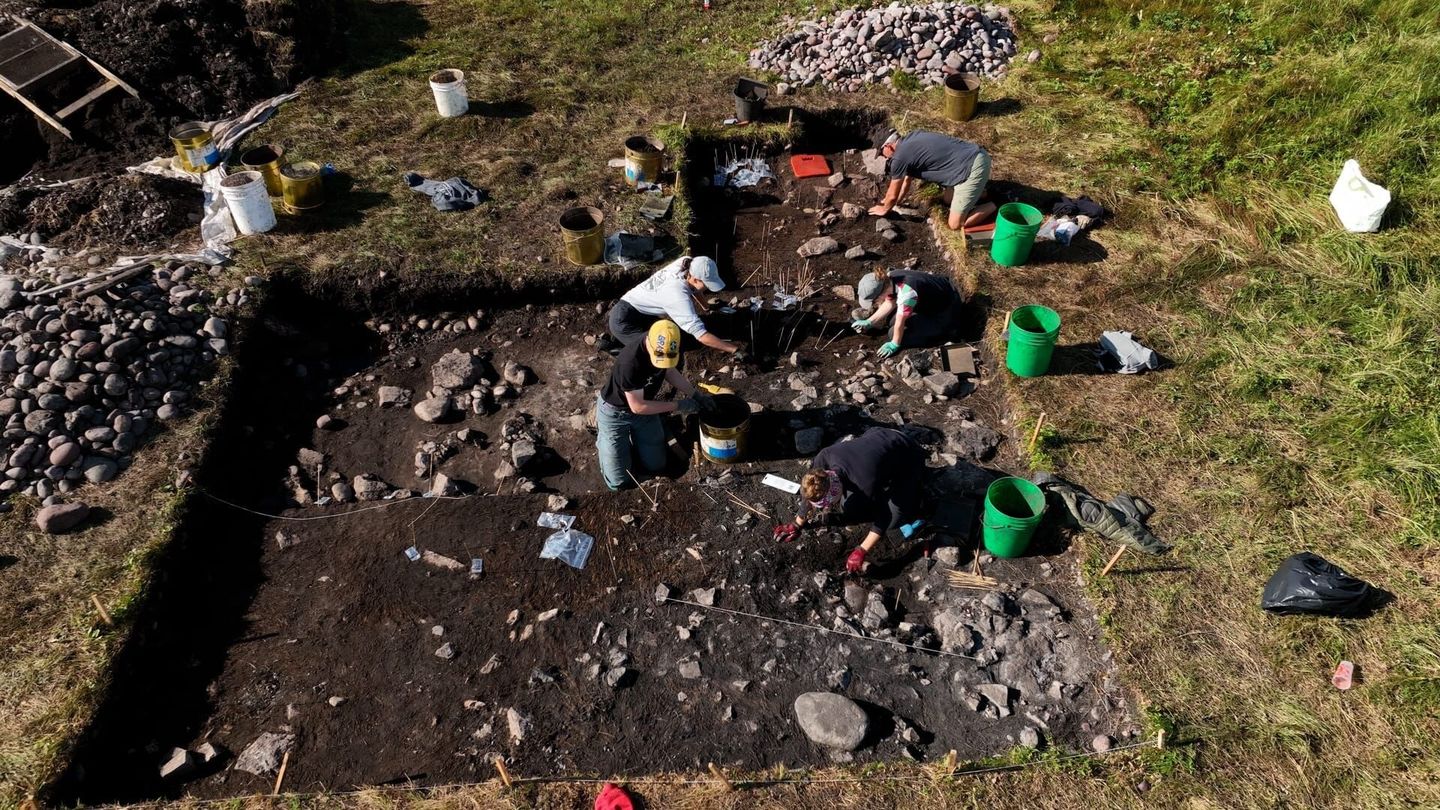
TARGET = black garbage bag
(1309,583)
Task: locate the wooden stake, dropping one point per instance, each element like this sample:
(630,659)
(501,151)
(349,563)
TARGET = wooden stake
(790,122)
(1160,740)
(652,501)
(685,116)
(746,506)
(1106,570)
(1035,434)
(280,777)
(104,617)
(719,775)
(504,773)
(950,760)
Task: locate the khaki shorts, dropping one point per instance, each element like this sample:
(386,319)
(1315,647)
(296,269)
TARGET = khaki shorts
(964,196)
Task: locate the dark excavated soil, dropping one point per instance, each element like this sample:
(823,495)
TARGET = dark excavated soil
(246,635)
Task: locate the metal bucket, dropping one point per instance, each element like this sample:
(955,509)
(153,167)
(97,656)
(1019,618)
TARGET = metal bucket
(962,94)
(195,147)
(583,231)
(302,186)
(642,159)
(725,432)
(750,98)
(266,160)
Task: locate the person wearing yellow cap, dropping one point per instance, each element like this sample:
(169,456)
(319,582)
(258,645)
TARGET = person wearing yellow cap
(627,414)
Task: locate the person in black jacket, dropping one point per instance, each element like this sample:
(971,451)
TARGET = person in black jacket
(875,477)
(926,308)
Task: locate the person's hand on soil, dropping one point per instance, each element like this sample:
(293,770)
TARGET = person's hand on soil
(741,356)
(855,563)
(880,210)
(860,325)
(889,348)
(687,406)
(786,533)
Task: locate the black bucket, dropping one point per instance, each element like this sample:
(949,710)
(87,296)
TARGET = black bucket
(750,98)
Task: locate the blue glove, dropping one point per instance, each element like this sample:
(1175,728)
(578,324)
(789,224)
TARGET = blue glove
(909,529)
(889,348)
(860,325)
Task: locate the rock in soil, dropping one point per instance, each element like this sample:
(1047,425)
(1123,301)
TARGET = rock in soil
(262,757)
(832,720)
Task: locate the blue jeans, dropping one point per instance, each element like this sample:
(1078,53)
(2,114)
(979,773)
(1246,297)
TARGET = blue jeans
(617,430)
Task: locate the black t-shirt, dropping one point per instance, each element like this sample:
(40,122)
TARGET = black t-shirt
(633,371)
(935,294)
(882,464)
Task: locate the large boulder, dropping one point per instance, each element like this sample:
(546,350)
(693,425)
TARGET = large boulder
(832,720)
(456,370)
(61,517)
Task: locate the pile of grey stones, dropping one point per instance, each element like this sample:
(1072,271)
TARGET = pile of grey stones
(859,47)
(83,381)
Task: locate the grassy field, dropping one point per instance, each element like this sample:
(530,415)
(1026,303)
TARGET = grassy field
(1302,411)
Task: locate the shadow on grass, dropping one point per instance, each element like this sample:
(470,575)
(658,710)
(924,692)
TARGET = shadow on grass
(1074,359)
(512,108)
(377,34)
(999,107)
(344,208)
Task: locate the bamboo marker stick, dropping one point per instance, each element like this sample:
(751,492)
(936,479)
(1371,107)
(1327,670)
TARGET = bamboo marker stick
(1160,740)
(685,116)
(280,777)
(719,775)
(790,122)
(99,608)
(504,773)
(1116,558)
(1035,434)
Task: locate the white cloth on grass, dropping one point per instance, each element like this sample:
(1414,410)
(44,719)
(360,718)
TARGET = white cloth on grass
(666,295)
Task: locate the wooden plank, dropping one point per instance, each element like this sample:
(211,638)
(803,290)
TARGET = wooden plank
(119,82)
(41,114)
(99,91)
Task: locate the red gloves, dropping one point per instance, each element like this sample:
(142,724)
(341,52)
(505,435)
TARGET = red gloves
(856,561)
(787,533)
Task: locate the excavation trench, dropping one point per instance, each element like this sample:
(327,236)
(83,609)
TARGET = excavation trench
(310,621)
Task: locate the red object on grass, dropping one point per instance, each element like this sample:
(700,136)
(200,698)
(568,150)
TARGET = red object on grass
(1344,676)
(613,797)
(809,165)
(984,227)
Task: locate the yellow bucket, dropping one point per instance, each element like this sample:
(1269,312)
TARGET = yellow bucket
(195,147)
(266,160)
(642,159)
(962,94)
(302,186)
(583,230)
(725,432)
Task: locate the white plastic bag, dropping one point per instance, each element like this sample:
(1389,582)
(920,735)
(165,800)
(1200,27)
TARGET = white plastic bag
(1359,203)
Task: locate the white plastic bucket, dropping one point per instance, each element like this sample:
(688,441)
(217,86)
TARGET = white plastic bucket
(451,98)
(248,201)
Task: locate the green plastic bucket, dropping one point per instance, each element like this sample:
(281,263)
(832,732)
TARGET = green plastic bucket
(1033,332)
(1013,508)
(1015,227)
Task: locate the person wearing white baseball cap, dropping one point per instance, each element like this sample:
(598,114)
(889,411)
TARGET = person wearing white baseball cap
(669,294)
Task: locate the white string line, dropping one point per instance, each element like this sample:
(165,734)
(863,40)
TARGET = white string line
(823,629)
(337,514)
(798,781)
